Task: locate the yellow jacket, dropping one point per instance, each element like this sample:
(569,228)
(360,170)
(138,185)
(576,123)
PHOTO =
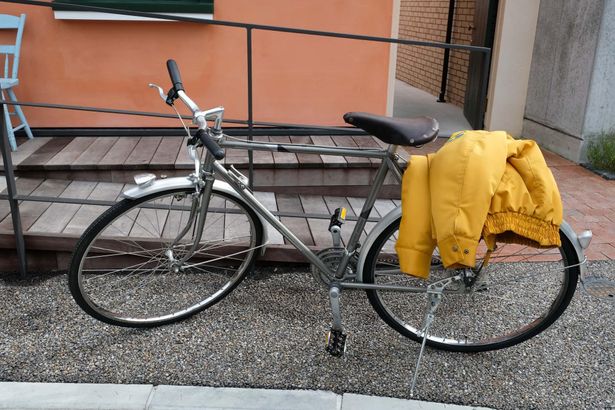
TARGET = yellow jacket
(480,184)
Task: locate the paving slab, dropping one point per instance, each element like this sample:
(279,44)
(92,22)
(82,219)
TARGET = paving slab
(190,397)
(18,396)
(362,402)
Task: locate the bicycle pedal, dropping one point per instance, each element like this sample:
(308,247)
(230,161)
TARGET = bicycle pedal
(336,343)
(338,218)
(335,226)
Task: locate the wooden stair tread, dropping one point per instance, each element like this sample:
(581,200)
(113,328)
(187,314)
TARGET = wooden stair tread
(54,226)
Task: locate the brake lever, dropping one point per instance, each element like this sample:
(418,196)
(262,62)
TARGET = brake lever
(163,95)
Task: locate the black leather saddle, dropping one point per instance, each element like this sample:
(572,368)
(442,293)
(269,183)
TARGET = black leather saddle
(398,131)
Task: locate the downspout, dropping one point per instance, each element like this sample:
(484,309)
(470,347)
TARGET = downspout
(447,51)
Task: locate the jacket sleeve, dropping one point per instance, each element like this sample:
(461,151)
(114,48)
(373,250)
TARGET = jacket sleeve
(527,208)
(527,159)
(464,175)
(415,244)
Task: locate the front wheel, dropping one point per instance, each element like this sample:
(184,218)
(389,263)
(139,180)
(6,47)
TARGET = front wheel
(520,293)
(130,266)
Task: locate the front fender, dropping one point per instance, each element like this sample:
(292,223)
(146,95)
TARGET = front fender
(160,185)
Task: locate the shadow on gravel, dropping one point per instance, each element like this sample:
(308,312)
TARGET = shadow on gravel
(33,278)
(260,272)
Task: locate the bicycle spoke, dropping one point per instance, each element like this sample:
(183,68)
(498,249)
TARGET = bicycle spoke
(198,268)
(512,302)
(517,278)
(225,257)
(132,272)
(101,276)
(113,253)
(520,292)
(113,285)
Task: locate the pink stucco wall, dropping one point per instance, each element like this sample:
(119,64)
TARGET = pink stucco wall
(297,79)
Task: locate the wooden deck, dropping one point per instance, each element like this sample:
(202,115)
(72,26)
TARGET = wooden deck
(117,159)
(51,229)
(102,153)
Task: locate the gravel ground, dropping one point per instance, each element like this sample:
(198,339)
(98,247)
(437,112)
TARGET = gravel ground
(270,333)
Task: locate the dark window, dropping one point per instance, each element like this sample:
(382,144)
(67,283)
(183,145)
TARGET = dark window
(166,6)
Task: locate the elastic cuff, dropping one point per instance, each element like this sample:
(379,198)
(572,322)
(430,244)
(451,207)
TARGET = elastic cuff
(543,232)
(413,262)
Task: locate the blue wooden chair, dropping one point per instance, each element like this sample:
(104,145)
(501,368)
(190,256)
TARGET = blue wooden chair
(9,79)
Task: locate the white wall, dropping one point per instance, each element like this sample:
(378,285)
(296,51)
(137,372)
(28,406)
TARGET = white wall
(510,68)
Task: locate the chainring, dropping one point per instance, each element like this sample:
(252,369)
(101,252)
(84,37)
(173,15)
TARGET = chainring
(331,258)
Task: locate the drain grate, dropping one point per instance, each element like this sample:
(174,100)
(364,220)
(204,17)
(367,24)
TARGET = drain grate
(600,288)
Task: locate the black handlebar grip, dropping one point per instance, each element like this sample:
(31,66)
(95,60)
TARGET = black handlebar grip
(176,79)
(210,144)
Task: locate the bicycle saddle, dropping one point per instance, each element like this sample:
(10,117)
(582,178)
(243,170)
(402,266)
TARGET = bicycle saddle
(398,131)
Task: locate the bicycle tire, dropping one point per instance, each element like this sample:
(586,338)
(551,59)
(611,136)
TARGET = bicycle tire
(121,272)
(489,318)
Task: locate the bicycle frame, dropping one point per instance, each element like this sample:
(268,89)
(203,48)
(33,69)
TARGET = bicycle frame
(235,184)
(387,156)
(203,181)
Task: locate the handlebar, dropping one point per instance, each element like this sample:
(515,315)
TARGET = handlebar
(176,79)
(199,117)
(210,144)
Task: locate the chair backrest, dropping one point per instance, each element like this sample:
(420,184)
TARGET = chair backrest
(8,22)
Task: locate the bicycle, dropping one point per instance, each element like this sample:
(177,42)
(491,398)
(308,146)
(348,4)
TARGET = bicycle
(174,247)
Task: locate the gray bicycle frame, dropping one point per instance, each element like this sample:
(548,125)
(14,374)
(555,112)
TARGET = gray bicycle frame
(212,167)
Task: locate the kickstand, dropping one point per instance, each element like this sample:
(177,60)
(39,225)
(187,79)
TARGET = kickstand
(434,292)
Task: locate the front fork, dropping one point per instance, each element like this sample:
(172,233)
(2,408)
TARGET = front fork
(198,210)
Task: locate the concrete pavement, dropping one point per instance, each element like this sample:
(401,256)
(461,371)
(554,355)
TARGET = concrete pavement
(19,396)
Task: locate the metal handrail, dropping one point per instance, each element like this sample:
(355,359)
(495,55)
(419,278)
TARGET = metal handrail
(14,198)
(174,116)
(251,26)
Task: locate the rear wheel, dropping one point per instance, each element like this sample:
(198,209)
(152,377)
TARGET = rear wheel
(520,293)
(128,269)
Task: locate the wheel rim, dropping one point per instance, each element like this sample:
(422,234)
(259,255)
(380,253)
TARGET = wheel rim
(128,275)
(523,293)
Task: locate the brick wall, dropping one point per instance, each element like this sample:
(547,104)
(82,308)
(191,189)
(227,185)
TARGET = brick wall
(421,67)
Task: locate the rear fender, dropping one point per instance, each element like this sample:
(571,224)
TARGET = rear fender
(565,228)
(371,238)
(574,239)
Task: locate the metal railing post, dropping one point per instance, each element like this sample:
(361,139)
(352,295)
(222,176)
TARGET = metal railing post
(447,51)
(250,109)
(13,203)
